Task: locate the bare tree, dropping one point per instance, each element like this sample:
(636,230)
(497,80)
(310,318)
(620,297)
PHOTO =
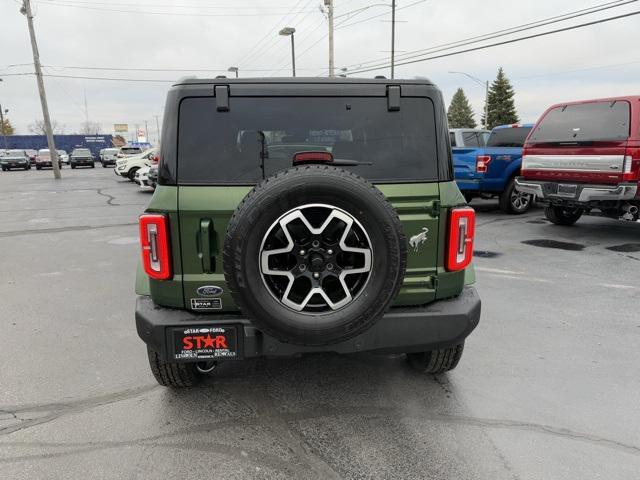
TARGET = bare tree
(37,127)
(89,127)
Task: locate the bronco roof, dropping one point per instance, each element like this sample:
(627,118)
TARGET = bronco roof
(303,80)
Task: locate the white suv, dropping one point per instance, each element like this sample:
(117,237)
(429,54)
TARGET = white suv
(128,166)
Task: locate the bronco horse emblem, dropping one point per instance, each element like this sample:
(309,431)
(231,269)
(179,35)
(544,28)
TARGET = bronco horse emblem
(419,239)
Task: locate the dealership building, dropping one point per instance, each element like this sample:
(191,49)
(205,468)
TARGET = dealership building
(63,142)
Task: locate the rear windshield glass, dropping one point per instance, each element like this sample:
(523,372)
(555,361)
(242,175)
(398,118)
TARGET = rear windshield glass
(473,139)
(224,147)
(15,152)
(508,137)
(82,151)
(131,150)
(586,122)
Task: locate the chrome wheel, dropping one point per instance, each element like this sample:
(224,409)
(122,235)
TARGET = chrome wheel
(520,201)
(316,259)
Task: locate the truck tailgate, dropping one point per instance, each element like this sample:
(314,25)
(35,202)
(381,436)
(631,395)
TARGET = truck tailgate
(600,164)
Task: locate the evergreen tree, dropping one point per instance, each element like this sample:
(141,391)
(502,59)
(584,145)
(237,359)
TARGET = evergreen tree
(460,113)
(6,128)
(501,107)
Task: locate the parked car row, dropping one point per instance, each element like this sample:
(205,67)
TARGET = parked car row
(79,157)
(580,158)
(141,169)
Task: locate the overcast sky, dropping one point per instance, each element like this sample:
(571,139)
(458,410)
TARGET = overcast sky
(596,61)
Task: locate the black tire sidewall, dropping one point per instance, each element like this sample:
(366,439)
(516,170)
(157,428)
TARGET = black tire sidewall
(284,192)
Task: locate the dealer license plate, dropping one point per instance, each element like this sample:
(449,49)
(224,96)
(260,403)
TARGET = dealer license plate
(205,342)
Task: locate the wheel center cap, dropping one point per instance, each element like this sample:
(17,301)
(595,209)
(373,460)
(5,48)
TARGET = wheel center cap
(316,262)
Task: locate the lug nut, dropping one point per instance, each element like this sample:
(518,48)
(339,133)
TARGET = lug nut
(330,252)
(302,267)
(302,252)
(315,243)
(329,266)
(316,275)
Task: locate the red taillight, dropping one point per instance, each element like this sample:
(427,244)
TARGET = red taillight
(482,163)
(312,157)
(462,224)
(631,168)
(154,240)
(154,159)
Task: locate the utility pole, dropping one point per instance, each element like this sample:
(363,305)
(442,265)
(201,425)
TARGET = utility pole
(393,37)
(329,5)
(26,10)
(146,132)
(4,135)
(157,128)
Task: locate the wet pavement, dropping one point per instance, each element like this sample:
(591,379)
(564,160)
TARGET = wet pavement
(548,386)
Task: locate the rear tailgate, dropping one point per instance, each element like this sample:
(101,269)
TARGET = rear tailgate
(220,160)
(464,164)
(601,163)
(581,142)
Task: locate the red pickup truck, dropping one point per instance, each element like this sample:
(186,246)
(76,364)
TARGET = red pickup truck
(584,158)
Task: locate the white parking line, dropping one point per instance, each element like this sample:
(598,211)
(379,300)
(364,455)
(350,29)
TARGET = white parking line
(497,270)
(515,277)
(620,287)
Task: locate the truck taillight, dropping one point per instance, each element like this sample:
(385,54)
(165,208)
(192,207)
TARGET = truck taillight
(154,241)
(482,163)
(462,225)
(631,167)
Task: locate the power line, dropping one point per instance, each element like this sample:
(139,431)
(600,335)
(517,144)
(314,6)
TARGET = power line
(265,43)
(146,12)
(166,5)
(506,42)
(336,28)
(496,34)
(142,69)
(380,15)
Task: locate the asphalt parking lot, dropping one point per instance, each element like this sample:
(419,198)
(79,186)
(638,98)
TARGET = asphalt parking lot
(548,386)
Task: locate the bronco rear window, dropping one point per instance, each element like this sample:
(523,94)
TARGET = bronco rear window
(224,147)
(585,122)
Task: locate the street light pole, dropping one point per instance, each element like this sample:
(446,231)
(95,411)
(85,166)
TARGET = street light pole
(157,128)
(26,10)
(485,84)
(289,31)
(233,69)
(293,55)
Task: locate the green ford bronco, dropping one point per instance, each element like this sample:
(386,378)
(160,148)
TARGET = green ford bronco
(304,215)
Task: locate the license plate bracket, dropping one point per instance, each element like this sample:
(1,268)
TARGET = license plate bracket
(565,190)
(205,342)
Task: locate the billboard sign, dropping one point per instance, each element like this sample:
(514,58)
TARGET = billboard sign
(120,128)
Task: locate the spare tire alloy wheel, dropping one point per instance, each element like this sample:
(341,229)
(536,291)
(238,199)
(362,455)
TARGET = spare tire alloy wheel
(314,255)
(317,264)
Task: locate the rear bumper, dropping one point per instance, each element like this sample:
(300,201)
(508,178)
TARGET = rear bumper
(402,330)
(584,193)
(14,164)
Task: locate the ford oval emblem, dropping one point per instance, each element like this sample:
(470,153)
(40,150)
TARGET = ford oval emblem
(209,291)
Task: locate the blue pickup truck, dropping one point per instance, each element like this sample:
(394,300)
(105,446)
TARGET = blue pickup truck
(489,171)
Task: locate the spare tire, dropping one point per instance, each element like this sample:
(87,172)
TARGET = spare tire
(314,255)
